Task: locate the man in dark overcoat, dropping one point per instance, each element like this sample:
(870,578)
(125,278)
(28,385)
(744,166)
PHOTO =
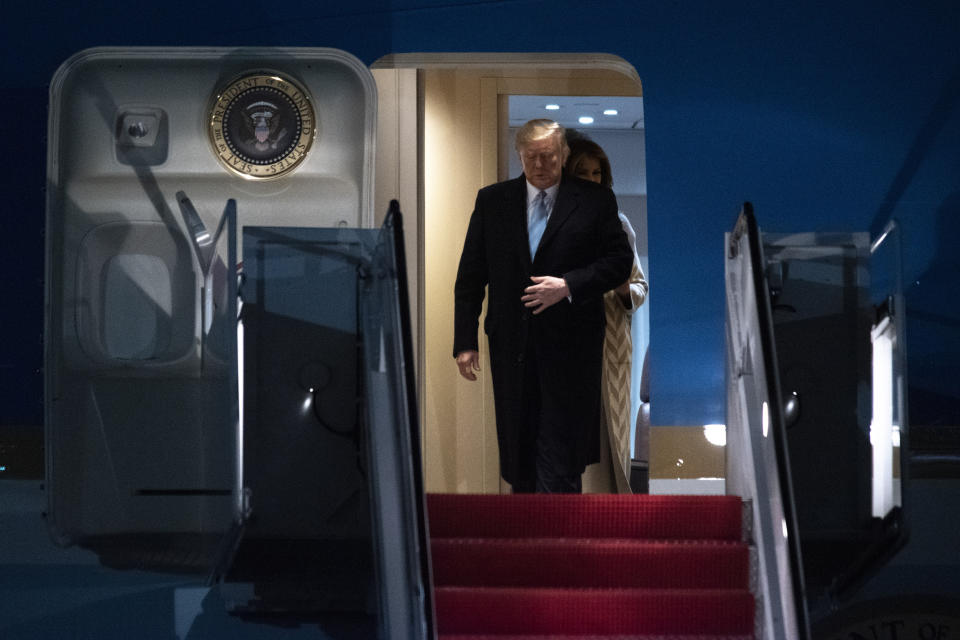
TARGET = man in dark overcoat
(546,246)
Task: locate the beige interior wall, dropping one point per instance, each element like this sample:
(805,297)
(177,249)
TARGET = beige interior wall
(455,411)
(397,177)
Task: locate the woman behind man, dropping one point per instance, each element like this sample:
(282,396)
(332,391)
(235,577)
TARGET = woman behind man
(612,474)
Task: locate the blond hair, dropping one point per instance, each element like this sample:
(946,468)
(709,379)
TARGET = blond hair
(539,129)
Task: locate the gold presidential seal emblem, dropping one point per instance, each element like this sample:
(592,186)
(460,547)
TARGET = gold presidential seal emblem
(262,125)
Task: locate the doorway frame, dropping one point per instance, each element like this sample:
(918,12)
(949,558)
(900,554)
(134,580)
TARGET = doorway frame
(481,82)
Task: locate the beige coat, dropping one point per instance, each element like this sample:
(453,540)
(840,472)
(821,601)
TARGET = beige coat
(612,473)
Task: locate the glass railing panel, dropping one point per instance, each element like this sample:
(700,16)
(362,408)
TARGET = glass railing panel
(889,424)
(821,315)
(830,306)
(758,464)
(332,520)
(908,583)
(306,546)
(217,417)
(397,484)
(834,298)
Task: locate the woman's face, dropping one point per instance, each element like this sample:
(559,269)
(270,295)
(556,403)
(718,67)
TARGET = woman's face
(588,168)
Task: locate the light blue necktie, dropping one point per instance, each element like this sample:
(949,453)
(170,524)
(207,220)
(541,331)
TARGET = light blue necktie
(538,222)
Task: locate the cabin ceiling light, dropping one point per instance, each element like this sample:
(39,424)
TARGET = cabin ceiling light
(551,107)
(585,120)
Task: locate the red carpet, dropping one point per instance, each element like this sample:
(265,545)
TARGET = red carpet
(591,567)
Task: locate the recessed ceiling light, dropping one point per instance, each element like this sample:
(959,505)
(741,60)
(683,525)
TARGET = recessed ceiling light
(585,120)
(551,107)
(610,112)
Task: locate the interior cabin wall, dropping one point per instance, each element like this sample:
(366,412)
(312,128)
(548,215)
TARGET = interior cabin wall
(397,175)
(460,451)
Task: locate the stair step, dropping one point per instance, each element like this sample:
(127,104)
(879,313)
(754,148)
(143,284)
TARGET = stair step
(653,517)
(544,611)
(589,563)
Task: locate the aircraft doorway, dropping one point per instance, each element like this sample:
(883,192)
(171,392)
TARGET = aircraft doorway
(448,115)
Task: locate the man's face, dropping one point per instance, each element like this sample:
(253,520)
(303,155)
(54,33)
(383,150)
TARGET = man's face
(542,162)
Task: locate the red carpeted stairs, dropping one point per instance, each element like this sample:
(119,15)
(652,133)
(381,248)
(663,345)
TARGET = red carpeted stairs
(590,566)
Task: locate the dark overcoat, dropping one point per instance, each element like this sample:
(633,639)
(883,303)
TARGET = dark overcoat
(583,243)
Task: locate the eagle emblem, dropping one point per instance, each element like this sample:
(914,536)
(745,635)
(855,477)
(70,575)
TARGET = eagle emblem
(262,125)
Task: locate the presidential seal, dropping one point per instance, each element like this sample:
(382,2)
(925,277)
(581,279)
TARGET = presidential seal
(262,126)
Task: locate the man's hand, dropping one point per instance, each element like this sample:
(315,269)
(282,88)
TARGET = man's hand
(468,362)
(547,291)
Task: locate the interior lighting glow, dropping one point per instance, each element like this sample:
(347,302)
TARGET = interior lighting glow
(551,107)
(585,120)
(881,426)
(783,526)
(610,112)
(766,420)
(716,434)
(240,502)
(307,404)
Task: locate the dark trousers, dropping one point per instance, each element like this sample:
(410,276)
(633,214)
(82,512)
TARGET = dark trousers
(546,454)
